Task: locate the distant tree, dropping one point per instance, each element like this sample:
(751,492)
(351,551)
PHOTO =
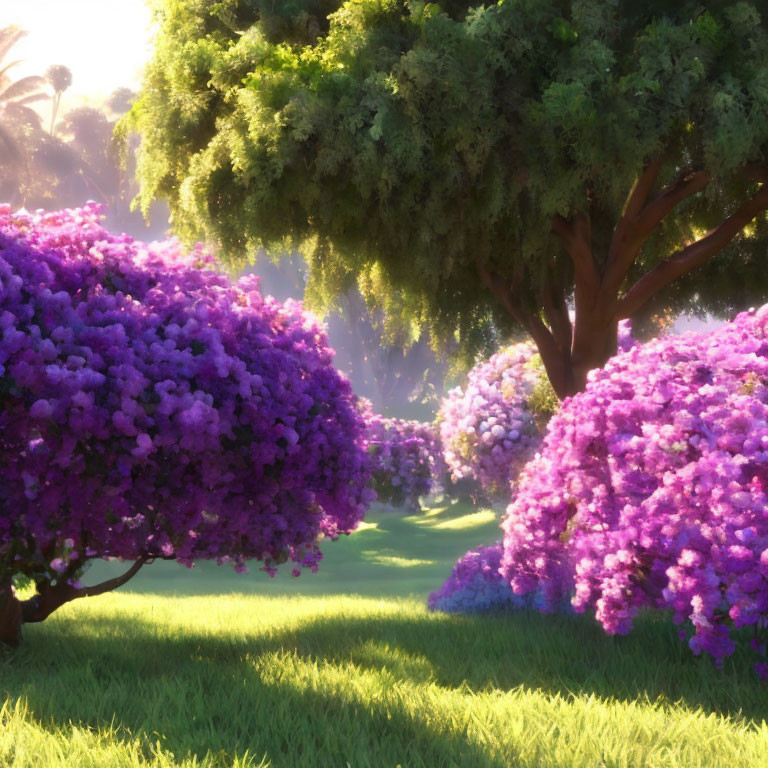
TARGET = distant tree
(88,132)
(60,78)
(121,100)
(15,96)
(483,164)
(401,377)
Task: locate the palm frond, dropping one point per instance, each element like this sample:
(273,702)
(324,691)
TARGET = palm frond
(8,66)
(22,88)
(32,98)
(9,36)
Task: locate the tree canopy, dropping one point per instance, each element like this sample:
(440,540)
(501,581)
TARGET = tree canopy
(473,165)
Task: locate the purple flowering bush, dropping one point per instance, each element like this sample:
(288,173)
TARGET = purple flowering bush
(476,586)
(150,407)
(488,429)
(650,490)
(405,458)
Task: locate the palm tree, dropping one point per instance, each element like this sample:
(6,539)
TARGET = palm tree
(15,96)
(60,77)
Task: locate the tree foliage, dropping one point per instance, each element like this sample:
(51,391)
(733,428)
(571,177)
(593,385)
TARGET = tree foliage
(474,164)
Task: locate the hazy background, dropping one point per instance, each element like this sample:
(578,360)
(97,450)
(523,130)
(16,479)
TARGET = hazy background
(104,42)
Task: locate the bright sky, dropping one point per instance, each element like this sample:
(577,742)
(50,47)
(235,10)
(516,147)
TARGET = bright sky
(104,42)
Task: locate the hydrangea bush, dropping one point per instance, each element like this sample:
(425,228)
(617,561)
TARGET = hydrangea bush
(150,407)
(650,490)
(405,456)
(488,429)
(477,586)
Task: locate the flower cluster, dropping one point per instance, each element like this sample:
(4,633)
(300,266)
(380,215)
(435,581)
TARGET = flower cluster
(476,586)
(650,490)
(487,429)
(151,407)
(405,458)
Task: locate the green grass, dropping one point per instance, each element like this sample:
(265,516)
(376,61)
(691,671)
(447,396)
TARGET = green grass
(390,555)
(274,677)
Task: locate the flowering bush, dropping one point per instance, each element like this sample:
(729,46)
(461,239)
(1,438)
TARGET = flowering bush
(491,428)
(476,585)
(405,458)
(650,490)
(487,429)
(149,407)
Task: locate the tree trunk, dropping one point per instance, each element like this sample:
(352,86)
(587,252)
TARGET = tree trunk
(10,617)
(49,598)
(592,348)
(594,343)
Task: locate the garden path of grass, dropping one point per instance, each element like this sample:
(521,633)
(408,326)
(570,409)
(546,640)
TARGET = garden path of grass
(348,668)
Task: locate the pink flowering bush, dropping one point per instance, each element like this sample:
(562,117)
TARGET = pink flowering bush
(149,407)
(491,427)
(405,458)
(488,430)
(650,490)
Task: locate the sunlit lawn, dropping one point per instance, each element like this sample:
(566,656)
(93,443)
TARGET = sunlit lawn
(347,668)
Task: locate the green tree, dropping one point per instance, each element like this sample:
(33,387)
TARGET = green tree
(474,167)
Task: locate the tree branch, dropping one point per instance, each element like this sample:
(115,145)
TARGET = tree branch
(641,189)
(691,256)
(503,293)
(687,184)
(576,235)
(555,359)
(52,597)
(633,230)
(118,581)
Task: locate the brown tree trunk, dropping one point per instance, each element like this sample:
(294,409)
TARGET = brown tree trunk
(49,598)
(10,617)
(567,371)
(593,347)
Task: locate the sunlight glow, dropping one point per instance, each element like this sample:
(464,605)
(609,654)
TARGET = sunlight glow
(104,42)
(474,520)
(377,558)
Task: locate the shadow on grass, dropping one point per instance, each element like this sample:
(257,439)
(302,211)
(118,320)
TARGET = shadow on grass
(227,694)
